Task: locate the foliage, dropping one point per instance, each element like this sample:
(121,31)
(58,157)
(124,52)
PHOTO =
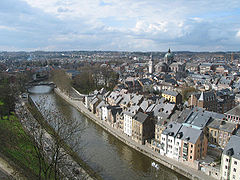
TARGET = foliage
(18,146)
(10,87)
(95,77)
(62,81)
(84,82)
(187,91)
(7,97)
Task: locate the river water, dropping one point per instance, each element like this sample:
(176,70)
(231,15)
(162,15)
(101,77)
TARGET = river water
(104,153)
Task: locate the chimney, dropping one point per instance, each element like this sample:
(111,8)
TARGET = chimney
(223,122)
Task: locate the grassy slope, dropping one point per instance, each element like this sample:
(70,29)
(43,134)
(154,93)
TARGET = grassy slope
(16,145)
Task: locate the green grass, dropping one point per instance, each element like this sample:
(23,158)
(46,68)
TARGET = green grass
(17,146)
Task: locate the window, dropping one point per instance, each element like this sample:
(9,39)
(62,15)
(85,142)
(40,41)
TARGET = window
(234,176)
(235,162)
(226,159)
(226,167)
(234,170)
(190,157)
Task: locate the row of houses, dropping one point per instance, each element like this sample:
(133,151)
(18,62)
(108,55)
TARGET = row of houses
(130,113)
(158,123)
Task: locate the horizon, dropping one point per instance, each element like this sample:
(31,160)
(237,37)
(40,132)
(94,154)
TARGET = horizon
(59,51)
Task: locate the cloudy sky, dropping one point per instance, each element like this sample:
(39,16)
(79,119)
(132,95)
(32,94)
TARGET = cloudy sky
(124,25)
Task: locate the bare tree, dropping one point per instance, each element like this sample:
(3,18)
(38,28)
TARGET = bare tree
(53,147)
(63,82)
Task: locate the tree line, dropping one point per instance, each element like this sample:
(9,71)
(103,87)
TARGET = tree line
(89,79)
(95,77)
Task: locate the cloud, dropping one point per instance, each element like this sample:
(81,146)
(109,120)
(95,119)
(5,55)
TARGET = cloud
(238,34)
(119,24)
(2,27)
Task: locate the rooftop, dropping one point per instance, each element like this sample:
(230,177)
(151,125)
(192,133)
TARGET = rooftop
(140,117)
(172,93)
(199,118)
(172,129)
(235,111)
(232,149)
(222,125)
(189,134)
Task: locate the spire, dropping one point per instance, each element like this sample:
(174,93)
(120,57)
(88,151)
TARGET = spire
(201,97)
(151,57)
(169,51)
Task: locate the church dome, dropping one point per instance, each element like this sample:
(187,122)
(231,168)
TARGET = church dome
(169,55)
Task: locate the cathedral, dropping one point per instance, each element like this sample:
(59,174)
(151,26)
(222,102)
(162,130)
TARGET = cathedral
(168,64)
(162,66)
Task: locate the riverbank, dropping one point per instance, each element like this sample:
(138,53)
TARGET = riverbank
(7,171)
(75,164)
(170,163)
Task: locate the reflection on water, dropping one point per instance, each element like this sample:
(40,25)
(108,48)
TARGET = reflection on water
(111,158)
(41,89)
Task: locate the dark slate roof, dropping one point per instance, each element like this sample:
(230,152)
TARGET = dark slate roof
(199,117)
(235,111)
(144,105)
(150,108)
(131,111)
(172,93)
(182,116)
(172,129)
(136,98)
(207,95)
(140,117)
(118,100)
(171,81)
(222,125)
(128,113)
(189,134)
(223,92)
(232,149)
(115,110)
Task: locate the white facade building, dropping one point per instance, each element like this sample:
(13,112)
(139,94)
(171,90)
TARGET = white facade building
(230,163)
(127,119)
(104,113)
(177,148)
(168,140)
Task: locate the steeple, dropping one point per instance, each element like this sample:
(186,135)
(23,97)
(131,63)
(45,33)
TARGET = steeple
(201,98)
(150,63)
(169,51)
(151,57)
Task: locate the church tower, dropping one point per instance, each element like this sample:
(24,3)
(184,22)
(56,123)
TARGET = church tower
(150,65)
(168,58)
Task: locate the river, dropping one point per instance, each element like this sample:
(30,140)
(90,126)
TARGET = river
(104,153)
